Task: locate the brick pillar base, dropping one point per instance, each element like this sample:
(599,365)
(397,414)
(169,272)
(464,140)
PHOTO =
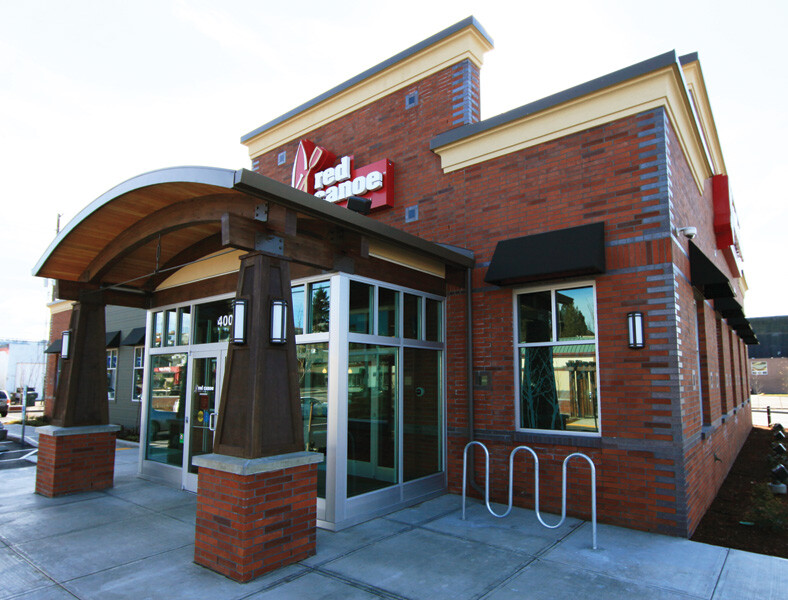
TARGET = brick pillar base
(75,459)
(255,515)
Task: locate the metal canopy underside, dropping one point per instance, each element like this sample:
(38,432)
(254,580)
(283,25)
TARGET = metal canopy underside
(152,224)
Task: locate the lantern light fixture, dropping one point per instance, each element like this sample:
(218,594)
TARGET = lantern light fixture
(239,321)
(65,345)
(278,321)
(635,329)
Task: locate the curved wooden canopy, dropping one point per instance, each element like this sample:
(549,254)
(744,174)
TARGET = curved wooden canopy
(152,223)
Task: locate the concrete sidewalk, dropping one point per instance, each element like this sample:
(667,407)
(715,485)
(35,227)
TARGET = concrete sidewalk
(136,540)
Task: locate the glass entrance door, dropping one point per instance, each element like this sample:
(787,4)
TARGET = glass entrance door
(204,387)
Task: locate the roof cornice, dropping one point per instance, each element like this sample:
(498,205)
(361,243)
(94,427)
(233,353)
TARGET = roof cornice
(464,40)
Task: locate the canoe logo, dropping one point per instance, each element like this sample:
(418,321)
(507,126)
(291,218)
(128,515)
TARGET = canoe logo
(309,159)
(316,171)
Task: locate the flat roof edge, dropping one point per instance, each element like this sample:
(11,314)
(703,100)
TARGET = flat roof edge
(449,31)
(631,72)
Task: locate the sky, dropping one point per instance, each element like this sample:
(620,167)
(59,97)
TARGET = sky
(95,92)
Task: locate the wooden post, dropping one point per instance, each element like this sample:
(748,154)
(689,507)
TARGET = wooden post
(81,396)
(260,408)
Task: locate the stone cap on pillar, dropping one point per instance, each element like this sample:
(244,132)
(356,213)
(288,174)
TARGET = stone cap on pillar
(55,431)
(252,466)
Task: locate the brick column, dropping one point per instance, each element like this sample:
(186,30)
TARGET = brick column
(75,459)
(255,515)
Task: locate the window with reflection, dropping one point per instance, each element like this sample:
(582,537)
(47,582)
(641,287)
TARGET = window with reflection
(361,302)
(165,417)
(421,413)
(213,321)
(388,310)
(138,371)
(411,316)
(313,382)
(372,428)
(297,293)
(556,359)
(319,304)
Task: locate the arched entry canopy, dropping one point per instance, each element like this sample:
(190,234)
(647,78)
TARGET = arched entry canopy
(122,248)
(130,239)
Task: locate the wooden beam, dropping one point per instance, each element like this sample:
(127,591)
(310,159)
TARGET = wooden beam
(240,232)
(74,290)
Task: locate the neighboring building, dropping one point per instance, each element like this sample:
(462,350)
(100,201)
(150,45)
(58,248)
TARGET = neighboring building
(494,293)
(125,333)
(22,364)
(769,359)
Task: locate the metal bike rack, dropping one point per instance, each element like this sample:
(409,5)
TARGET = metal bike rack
(536,485)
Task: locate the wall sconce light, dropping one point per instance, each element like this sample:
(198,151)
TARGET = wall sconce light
(65,345)
(239,321)
(278,321)
(635,329)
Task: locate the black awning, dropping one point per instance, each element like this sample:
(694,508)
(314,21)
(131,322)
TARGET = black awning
(562,253)
(751,340)
(729,308)
(113,339)
(136,337)
(55,347)
(705,276)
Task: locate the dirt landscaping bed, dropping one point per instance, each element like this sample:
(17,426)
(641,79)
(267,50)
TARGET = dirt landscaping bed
(730,520)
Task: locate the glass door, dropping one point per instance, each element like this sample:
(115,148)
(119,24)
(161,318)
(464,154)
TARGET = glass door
(202,405)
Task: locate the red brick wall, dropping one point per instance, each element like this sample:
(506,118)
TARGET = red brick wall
(708,451)
(75,463)
(248,525)
(631,175)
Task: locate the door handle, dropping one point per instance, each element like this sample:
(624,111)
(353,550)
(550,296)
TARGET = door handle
(212,421)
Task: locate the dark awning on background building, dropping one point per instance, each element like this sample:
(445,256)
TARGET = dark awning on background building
(55,347)
(729,308)
(113,339)
(716,286)
(136,337)
(705,276)
(562,253)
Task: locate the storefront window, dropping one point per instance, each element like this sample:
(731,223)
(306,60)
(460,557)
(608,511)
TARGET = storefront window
(184,325)
(158,330)
(313,381)
(361,295)
(164,442)
(388,303)
(411,317)
(138,369)
(433,320)
(298,308)
(421,418)
(557,360)
(213,321)
(372,418)
(112,373)
(170,327)
(319,303)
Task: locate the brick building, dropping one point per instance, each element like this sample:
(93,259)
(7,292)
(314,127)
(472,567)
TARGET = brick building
(495,293)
